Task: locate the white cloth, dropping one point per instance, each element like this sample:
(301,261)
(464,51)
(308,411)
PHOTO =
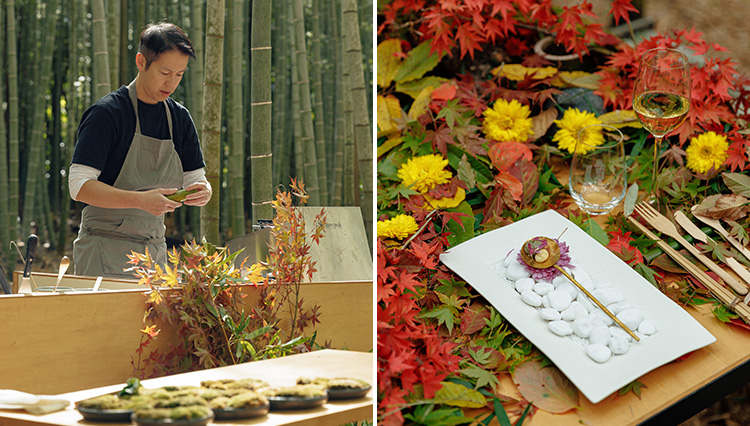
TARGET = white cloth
(34,404)
(79,174)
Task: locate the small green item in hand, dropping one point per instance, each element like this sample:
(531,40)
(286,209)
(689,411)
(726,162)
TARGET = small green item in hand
(180,195)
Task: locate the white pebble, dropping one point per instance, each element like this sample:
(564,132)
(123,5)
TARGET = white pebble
(559,280)
(583,326)
(524,284)
(631,318)
(618,307)
(588,284)
(647,327)
(510,258)
(559,327)
(600,335)
(568,287)
(598,352)
(608,296)
(574,311)
(559,300)
(516,271)
(543,288)
(545,302)
(549,314)
(581,275)
(618,345)
(617,331)
(599,315)
(585,302)
(605,284)
(531,298)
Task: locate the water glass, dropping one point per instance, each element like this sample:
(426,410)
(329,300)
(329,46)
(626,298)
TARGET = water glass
(598,173)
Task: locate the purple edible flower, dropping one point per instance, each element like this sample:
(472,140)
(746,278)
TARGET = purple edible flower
(547,274)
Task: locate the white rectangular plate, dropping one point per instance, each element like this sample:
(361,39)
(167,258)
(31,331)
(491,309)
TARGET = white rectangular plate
(678,332)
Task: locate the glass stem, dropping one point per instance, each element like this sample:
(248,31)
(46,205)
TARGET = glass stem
(657,142)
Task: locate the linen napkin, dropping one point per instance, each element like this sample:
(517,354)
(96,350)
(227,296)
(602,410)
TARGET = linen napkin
(34,404)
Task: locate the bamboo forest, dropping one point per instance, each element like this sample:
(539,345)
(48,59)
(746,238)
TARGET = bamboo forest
(278,91)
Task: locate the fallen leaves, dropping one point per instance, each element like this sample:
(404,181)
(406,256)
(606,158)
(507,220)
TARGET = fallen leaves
(546,387)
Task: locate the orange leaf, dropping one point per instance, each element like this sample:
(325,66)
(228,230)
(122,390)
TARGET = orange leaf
(445,92)
(511,183)
(504,154)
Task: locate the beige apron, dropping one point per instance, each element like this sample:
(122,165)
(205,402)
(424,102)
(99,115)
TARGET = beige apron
(108,235)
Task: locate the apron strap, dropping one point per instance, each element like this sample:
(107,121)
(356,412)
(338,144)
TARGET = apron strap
(134,99)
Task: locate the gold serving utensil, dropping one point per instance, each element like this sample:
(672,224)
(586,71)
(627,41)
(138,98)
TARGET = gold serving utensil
(663,225)
(716,224)
(64,264)
(548,257)
(699,235)
(722,294)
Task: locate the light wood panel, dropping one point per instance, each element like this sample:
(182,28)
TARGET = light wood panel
(55,343)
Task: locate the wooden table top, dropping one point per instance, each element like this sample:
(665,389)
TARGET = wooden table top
(277,372)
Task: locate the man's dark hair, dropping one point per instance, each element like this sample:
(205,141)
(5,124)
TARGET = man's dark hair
(158,38)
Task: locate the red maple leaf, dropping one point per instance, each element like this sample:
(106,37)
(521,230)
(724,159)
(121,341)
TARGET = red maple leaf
(468,39)
(619,244)
(440,138)
(621,9)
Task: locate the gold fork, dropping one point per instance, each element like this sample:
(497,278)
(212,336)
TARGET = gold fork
(664,225)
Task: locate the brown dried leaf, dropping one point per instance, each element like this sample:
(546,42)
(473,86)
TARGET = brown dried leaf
(542,122)
(547,388)
(726,207)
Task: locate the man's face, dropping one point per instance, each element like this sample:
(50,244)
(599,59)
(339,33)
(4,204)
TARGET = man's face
(162,77)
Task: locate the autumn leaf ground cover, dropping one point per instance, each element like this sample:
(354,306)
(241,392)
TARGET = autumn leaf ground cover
(472,124)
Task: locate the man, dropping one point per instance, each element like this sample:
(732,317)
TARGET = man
(135,146)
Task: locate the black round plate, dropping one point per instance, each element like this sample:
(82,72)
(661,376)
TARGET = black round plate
(97,415)
(347,393)
(169,422)
(296,402)
(242,413)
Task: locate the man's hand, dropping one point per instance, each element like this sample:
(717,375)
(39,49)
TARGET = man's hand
(155,202)
(201,196)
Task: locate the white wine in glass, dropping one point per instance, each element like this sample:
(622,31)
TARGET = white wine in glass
(661,96)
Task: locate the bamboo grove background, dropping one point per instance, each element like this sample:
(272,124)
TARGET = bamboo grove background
(280,89)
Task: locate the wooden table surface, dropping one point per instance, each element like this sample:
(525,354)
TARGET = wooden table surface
(277,372)
(665,385)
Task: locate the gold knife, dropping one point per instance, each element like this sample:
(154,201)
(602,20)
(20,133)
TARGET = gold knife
(699,235)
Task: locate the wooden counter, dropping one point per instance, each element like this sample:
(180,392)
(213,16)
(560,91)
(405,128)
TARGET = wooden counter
(277,372)
(54,343)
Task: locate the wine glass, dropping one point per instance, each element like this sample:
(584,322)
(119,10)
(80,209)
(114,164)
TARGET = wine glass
(661,96)
(598,173)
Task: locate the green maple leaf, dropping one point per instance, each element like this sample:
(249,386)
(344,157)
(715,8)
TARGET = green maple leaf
(723,314)
(646,272)
(452,113)
(447,312)
(480,375)
(443,315)
(634,387)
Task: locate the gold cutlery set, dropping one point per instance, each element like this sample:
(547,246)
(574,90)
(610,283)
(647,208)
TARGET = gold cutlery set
(662,224)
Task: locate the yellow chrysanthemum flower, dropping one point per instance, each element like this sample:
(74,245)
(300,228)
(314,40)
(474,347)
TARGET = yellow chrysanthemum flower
(445,202)
(508,121)
(706,151)
(425,172)
(572,122)
(399,227)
